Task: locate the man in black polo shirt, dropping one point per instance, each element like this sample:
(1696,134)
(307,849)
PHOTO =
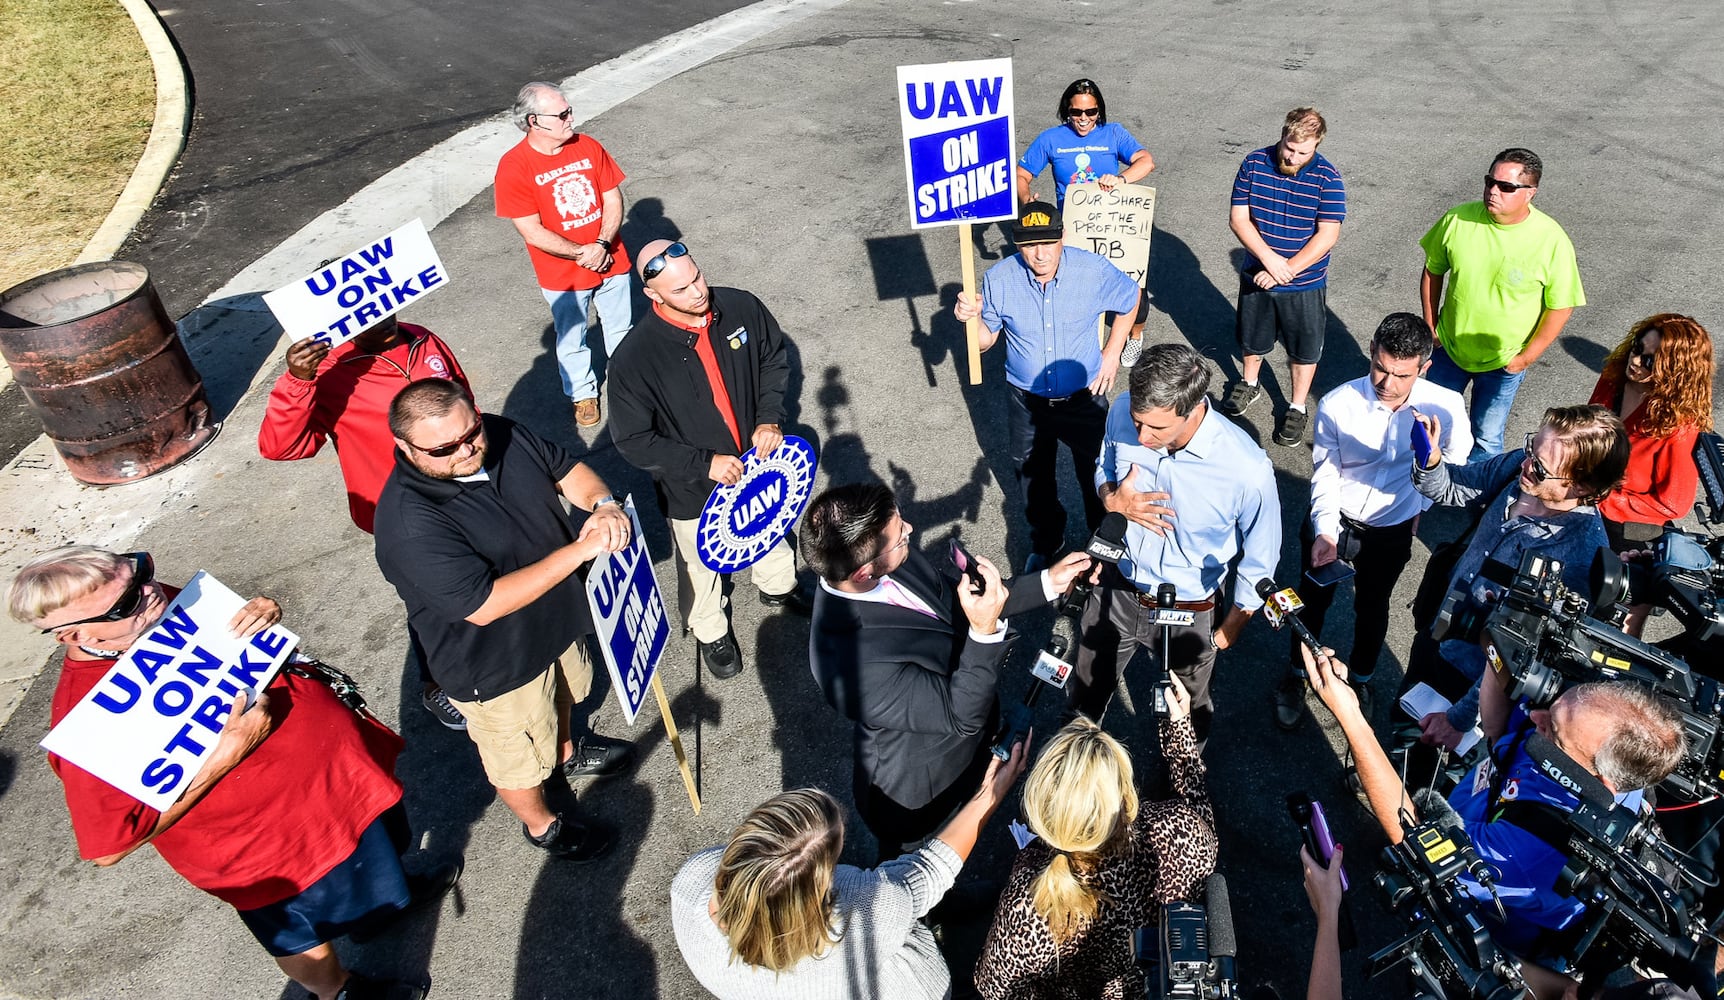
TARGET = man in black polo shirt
(472,532)
(700,380)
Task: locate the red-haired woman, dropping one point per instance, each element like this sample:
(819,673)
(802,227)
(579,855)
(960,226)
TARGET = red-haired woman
(1659,380)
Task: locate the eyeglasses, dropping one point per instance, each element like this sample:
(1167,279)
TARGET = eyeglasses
(1083,112)
(1506,187)
(562,116)
(1539,472)
(651,268)
(130,602)
(445,450)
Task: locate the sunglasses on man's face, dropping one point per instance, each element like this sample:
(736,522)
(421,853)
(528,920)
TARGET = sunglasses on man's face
(130,602)
(1506,187)
(1539,472)
(445,450)
(653,267)
(562,116)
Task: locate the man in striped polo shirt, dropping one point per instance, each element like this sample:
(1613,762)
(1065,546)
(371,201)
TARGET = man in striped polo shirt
(1288,203)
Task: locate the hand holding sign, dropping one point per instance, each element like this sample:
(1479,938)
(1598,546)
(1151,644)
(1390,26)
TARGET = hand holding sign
(745,518)
(609,529)
(258,614)
(725,469)
(767,438)
(304,356)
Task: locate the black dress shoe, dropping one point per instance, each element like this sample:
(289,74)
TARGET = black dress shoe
(795,602)
(598,756)
(722,658)
(572,840)
(359,987)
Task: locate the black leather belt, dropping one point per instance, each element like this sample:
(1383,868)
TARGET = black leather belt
(1081,396)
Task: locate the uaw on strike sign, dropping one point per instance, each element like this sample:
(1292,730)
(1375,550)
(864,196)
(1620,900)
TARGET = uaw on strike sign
(957,121)
(147,726)
(343,297)
(629,617)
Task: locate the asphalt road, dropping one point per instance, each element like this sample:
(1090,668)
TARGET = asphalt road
(779,164)
(297,104)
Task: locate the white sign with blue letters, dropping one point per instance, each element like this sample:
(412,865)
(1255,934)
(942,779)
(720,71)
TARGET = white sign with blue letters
(345,296)
(958,135)
(629,617)
(147,726)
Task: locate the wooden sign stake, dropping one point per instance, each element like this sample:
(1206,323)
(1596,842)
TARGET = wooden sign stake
(967,254)
(675,742)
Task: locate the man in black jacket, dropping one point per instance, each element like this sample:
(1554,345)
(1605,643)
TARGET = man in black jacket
(701,380)
(890,651)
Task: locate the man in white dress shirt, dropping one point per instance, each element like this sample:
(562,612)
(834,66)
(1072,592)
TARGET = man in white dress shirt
(1364,509)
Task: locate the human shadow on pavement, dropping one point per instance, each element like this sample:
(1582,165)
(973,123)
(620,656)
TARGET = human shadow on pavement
(1586,352)
(644,223)
(230,341)
(576,939)
(1180,290)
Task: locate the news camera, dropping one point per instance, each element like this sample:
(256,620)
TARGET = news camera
(1543,638)
(1448,951)
(1190,956)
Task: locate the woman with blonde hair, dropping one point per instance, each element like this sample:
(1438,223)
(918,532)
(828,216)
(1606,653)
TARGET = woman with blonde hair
(1659,381)
(1102,865)
(772,915)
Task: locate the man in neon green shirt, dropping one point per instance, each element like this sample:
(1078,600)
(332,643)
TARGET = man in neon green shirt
(1512,282)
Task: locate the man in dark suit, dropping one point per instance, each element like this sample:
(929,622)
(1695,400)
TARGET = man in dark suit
(890,649)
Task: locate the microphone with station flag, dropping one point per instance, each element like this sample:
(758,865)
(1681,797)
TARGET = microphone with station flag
(1281,606)
(1053,663)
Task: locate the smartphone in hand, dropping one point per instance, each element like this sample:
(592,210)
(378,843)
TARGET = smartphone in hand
(967,566)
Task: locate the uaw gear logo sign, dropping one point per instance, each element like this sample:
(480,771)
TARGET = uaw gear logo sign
(742,523)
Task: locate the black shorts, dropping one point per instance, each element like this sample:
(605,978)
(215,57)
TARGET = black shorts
(1296,319)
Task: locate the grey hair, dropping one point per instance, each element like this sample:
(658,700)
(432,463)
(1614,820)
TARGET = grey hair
(1169,375)
(529,100)
(1646,739)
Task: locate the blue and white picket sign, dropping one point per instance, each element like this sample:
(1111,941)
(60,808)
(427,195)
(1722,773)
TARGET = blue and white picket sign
(345,296)
(147,726)
(958,141)
(742,523)
(629,616)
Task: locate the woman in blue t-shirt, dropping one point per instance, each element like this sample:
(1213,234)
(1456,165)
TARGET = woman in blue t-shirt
(1085,147)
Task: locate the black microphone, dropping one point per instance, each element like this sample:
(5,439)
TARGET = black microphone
(1108,543)
(1223,944)
(1281,607)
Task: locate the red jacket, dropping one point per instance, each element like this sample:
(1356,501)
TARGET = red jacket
(349,403)
(1662,481)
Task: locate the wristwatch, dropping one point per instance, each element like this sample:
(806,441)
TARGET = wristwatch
(604,243)
(601,501)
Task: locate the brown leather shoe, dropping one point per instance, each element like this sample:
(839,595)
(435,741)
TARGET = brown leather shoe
(586,412)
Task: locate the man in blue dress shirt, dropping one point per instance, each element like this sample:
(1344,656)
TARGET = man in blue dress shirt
(1199,494)
(1048,299)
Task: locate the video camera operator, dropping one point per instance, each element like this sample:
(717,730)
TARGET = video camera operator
(1515,805)
(911,656)
(1538,498)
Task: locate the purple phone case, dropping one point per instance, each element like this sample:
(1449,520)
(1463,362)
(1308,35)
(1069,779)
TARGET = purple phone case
(1325,842)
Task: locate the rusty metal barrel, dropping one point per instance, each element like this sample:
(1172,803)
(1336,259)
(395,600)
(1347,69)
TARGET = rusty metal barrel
(104,369)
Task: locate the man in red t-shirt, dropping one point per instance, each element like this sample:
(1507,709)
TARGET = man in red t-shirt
(560,189)
(301,869)
(343,395)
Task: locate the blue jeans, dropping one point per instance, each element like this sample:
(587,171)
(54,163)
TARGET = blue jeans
(1493,397)
(569,316)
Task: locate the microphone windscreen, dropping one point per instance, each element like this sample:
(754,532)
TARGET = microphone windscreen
(1112,527)
(1265,587)
(1222,942)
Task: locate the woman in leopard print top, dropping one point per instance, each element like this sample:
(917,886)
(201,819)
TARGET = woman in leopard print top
(1100,866)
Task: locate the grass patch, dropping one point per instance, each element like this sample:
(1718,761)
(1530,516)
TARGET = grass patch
(75,112)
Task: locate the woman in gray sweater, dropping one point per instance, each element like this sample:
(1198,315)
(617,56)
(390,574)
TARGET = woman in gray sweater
(772,915)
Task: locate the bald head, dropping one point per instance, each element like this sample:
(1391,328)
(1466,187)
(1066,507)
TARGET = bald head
(651,252)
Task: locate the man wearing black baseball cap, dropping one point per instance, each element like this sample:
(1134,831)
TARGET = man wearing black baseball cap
(1049,299)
